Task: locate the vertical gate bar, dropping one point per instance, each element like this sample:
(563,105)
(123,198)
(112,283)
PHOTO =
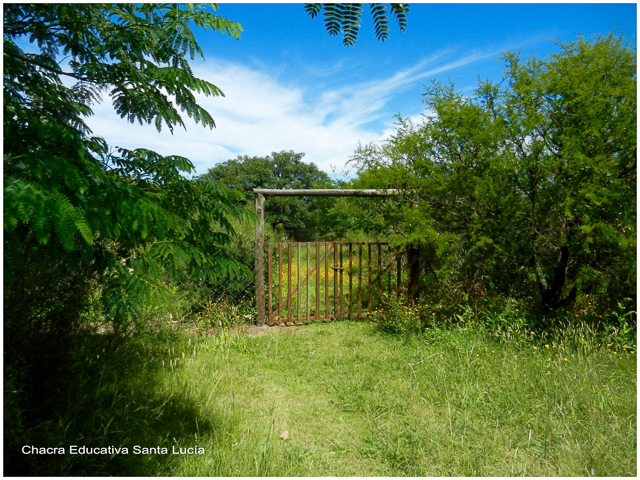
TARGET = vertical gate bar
(317,281)
(379,274)
(413,272)
(289,246)
(360,280)
(389,260)
(270,280)
(399,273)
(326,280)
(341,280)
(369,282)
(280,280)
(308,280)
(335,280)
(298,270)
(350,277)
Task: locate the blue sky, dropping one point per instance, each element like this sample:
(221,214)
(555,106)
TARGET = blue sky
(290,86)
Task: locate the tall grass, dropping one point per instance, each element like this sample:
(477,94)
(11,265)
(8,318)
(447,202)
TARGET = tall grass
(402,395)
(357,401)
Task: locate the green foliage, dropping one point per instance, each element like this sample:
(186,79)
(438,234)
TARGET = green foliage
(135,52)
(218,315)
(65,189)
(525,188)
(88,228)
(395,316)
(346,18)
(281,170)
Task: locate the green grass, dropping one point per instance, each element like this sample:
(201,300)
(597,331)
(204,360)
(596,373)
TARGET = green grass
(453,403)
(356,402)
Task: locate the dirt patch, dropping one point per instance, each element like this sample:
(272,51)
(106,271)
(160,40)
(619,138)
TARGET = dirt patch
(256,331)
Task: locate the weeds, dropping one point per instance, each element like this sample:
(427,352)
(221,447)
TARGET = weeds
(452,401)
(223,314)
(410,393)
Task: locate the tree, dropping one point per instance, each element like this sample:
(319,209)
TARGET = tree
(90,232)
(85,222)
(345,18)
(528,186)
(281,170)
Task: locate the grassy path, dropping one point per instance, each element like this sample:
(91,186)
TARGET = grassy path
(357,403)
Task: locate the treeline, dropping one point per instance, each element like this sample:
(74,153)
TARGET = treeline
(523,189)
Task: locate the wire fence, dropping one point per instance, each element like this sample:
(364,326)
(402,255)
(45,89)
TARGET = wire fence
(309,281)
(231,300)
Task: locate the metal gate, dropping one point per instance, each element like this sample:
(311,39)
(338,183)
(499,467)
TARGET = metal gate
(329,280)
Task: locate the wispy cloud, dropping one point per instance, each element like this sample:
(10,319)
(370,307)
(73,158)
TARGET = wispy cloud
(261,114)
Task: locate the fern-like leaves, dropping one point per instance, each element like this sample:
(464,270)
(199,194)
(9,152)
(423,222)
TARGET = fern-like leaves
(346,18)
(399,11)
(380,21)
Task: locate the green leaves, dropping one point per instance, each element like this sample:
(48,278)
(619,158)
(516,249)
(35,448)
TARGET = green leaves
(531,178)
(126,218)
(346,18)
(280,170)
(380,21)
(138,52)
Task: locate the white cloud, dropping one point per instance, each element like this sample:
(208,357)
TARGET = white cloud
(260,114)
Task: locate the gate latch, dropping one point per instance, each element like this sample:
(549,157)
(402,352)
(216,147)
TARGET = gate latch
(337,268)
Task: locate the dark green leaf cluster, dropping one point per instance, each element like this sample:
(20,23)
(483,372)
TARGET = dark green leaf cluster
(85,224)
(527,187)
(346,18)
(281,170)
(65,184)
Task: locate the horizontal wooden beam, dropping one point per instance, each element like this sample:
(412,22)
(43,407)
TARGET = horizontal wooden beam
(330,192)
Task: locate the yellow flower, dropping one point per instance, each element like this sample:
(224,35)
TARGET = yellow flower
(546,346)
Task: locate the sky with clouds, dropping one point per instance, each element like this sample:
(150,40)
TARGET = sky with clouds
(288,85)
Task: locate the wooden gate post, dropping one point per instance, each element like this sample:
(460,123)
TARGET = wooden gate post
(260,194)
(413,272)
(260,310)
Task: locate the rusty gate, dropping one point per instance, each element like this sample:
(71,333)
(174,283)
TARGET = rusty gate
(329,280)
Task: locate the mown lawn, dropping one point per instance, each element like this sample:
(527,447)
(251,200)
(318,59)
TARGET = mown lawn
(356,402)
